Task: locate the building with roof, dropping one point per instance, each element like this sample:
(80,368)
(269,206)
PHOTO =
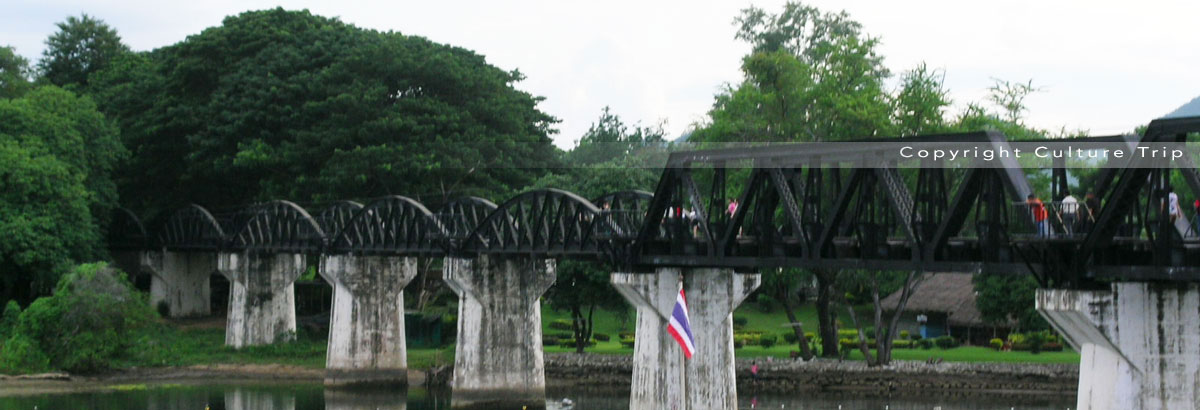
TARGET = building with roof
(947,302)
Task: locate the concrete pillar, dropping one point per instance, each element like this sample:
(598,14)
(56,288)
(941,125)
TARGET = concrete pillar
(1139,343)
(662,378)
(370,399)
(262,303)
(181,280)
(366,329)
(498,361)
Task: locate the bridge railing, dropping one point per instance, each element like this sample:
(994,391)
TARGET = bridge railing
(1071,220)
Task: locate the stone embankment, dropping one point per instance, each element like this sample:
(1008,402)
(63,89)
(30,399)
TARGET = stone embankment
(785,375)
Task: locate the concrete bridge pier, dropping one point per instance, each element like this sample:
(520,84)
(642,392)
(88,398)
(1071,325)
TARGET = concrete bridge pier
(262,303)
(662,378)
(498,362)
(366,329)
(1139,343)
(181,279)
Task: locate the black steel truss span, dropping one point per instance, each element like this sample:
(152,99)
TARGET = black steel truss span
(278,226)
(393,225)
(803,205)
(543,223)
(192,229)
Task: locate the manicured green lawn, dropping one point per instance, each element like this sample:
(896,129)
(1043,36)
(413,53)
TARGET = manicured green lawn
(184,346)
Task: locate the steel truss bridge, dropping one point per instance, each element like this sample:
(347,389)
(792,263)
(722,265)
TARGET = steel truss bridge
(801,205)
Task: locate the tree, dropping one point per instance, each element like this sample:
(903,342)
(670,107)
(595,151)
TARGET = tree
(785,286)
(82,46)
(56,155)
(284,104)
(610,157)
(811,76)
(14,73)
(921,102)
(1002,299)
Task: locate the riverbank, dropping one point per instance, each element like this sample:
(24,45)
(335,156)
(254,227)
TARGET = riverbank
(785,375)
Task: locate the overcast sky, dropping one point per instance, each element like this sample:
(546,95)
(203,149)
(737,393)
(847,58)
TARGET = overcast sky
(1104,66)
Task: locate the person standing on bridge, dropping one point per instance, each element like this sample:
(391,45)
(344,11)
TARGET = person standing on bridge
(1173,207)
(1070,208)
(1038,211)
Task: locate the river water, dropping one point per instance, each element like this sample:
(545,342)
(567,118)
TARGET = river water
(313,396)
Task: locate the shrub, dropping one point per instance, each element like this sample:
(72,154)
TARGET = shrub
(627,342)
(740,321)
(624,335)
(560,324)
(8,321)
(904,334)
(916,337)
(767,340)
(847,334)
(765,303)
(925,343)
(810,336)
(570,343)
(20,354)
(1052,347)
(1035,340)
(600,337)
(549,340)
(790,337)
(89,321)
(996,343)
(902,344)
(738,343)
(946,342)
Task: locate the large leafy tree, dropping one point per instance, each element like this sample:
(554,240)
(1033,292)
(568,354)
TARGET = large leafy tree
(83,45)
(14,73)
(811,76)
(610,157)
(285,104)
(56,155)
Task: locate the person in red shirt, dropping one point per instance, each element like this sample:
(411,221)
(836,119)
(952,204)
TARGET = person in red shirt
(1038,211)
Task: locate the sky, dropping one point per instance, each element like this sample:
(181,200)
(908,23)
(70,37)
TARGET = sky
(1102,66)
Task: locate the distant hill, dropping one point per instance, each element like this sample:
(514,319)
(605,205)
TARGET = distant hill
(1191,109)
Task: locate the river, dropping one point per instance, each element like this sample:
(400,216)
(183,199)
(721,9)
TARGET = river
(313,396)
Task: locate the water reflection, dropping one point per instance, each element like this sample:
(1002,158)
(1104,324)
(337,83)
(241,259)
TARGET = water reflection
(313,396)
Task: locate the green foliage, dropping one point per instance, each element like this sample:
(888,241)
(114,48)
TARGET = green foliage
(904,334)
(925,343)
(921,102)
(8,320)
(14,73)
(996,343)
(767,340)
(20,354)
(946,342)
(790,337)
(89,320)
(765,302)
(601,337)
(740,321)
(629,341)
(277,103)
(55,149)
(561,324)
(1001,298)
(902,344)
(82,46)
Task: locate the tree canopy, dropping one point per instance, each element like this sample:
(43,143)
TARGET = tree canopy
(56,155)
(285,104)
(82,46)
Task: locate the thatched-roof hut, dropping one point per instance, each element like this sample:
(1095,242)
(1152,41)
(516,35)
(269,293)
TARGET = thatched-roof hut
(947,300)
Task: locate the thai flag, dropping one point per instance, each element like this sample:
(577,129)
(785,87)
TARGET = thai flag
(679,327)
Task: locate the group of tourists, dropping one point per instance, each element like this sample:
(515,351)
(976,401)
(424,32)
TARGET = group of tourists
(1079,217)
(1072,215)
